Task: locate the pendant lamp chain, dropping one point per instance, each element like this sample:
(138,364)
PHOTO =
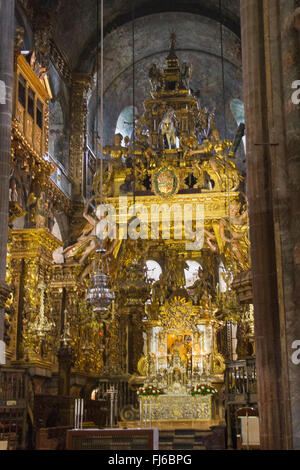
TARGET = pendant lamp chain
(100,296)
(224,109)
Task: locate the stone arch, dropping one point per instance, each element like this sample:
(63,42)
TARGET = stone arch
(197,44)
(59,119)
(125,120)
(58,135)
(207,9)
(154,270)
(191,274)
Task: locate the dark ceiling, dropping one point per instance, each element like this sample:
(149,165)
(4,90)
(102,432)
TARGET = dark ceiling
(75,22)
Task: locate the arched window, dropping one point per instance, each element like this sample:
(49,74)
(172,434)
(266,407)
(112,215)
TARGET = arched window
(125,121)
(238,111)
(191,274)
(153,270)
(222,274)
(58,140)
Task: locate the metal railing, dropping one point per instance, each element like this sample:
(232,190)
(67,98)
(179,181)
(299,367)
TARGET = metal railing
(13,407)
(60,177)
(12,386)
(89,169)
(125,397)
(241,381)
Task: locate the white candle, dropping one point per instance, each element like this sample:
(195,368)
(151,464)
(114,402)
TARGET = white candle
(75,405)
(150,413)
(76,413)
(81,413)
(145,411)
(140,412)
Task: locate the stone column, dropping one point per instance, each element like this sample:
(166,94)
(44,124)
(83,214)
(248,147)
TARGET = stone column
(7,9)
(290,51)
(65,361)
(272,175)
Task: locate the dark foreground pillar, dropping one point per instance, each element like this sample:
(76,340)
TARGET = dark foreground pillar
(270,41)
(7,8)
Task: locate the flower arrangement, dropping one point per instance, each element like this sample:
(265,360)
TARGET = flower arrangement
(150,390)
(203,390)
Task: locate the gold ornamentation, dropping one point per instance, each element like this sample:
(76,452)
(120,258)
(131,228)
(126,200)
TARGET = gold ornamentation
(169,408)
(165,182)
(179,315)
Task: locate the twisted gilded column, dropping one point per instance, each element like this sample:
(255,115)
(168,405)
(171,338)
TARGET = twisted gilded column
(6,92)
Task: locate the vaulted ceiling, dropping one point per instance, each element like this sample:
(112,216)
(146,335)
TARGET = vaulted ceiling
(75,23)
(130,47)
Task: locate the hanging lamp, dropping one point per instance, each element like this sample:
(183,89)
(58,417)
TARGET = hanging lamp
(135,290)
(100,296)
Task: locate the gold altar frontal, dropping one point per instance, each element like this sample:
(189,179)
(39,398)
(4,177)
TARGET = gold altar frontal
(177,407)
(169,412)
(176,412)
(172,425)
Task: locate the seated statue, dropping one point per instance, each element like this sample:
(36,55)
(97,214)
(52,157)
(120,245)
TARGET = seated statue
(116,151)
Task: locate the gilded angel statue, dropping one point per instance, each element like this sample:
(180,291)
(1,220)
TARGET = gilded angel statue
(234,233)
(92,234)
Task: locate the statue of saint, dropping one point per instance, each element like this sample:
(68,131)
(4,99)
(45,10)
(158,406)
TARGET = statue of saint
(175,275)
(13,195)
(178,348)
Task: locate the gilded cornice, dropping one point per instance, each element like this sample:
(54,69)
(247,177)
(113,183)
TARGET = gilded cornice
(33,243)
(66,275)
(215,204)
